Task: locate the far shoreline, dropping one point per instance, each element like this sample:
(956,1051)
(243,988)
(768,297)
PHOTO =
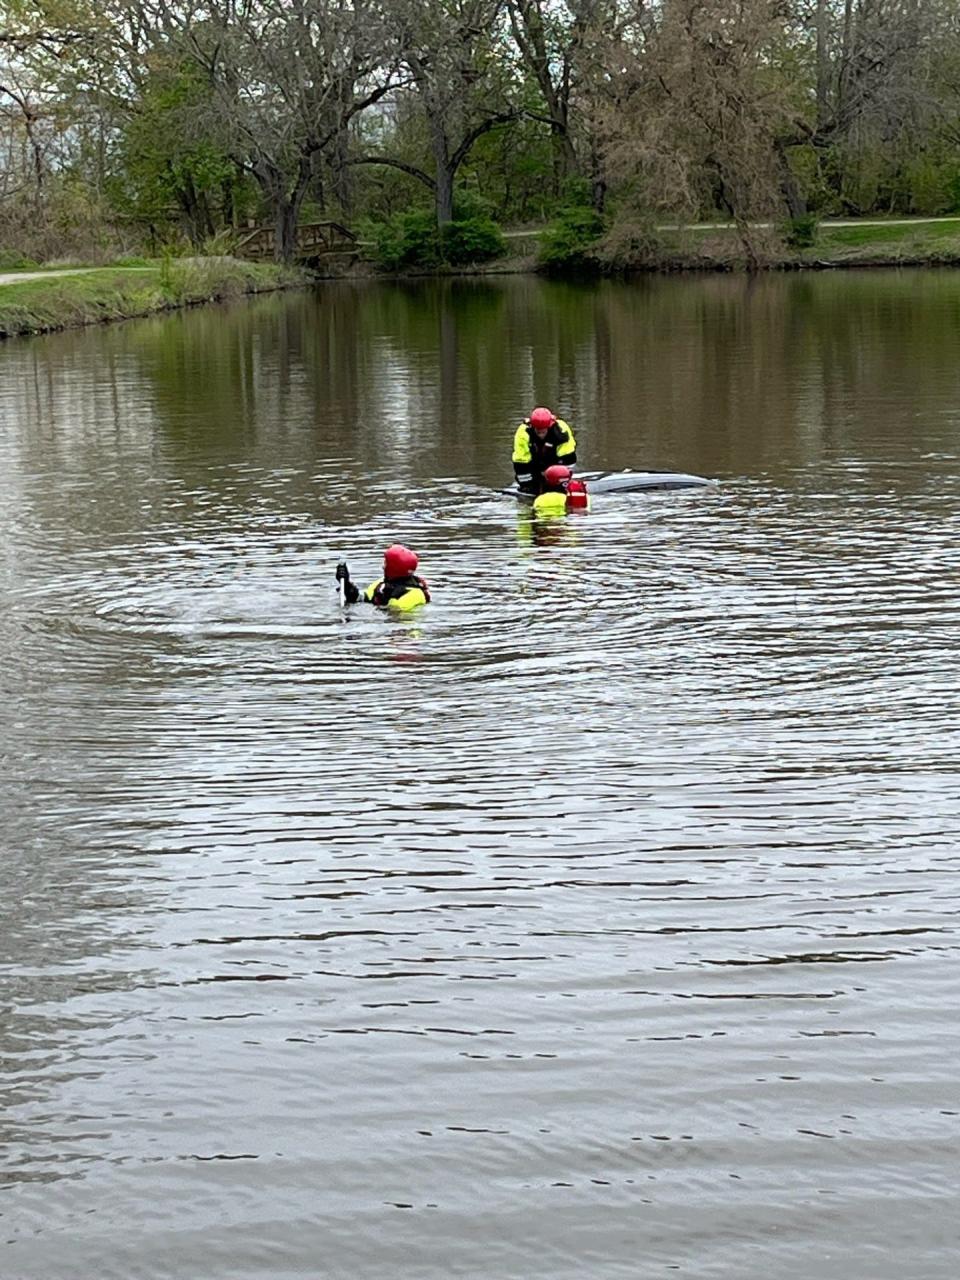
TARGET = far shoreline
(40,300)
(35,301)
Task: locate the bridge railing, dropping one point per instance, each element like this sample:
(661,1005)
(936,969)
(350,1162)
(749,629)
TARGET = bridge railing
(313,239)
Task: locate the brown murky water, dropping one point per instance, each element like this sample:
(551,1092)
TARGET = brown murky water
(599,921)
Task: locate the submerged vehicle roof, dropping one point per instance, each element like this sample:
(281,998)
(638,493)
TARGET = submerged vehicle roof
(629,482)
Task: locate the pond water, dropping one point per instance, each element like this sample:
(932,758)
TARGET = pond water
(600,920)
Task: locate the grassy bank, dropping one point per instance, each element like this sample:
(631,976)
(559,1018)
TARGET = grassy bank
(575,248)
(907,243)
(56,300)
(836,244)
(40,301)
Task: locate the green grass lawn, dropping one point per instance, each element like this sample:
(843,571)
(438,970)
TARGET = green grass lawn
(880,243)
(117,293)
(866,235)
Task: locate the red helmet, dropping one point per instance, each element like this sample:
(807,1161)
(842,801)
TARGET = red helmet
(398,561)
(557,475)
(542,419)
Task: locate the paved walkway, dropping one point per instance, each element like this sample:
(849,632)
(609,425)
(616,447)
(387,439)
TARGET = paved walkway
(14,277)
(729,226)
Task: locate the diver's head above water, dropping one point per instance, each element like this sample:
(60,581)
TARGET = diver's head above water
(561,492)
(398,561)
(557,478)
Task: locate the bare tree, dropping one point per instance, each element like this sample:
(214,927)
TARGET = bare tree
(548,39)
(695,106)
(453,56)
(286,78)
(872,77)
(562,46)
(32,26)
(39,116)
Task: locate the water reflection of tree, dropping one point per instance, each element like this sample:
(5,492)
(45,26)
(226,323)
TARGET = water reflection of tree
(411,380)
(732,375)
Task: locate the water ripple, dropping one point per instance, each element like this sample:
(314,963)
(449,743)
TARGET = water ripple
(604,910)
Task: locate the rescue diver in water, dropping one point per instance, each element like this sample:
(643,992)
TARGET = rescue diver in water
(399,588)
(561,493)
(540,441)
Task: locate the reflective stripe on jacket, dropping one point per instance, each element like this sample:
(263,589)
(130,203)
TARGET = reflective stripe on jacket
(558,445)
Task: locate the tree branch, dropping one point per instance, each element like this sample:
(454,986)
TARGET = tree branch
(395,164)
(503,117)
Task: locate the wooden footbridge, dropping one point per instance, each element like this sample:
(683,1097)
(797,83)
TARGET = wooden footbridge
(315,240)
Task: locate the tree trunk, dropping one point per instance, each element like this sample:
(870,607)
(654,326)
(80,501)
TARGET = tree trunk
(342,179)
(748,243)
(207,225)
(446,167)
(846,55)
(285,222)
(37,151)
(554,81)
(792,194)
(445,178)
(285,204)
(192,216)
(598,181)
(823,63)
(564,156)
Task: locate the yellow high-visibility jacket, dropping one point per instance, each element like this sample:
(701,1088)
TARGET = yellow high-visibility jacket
(532,454)
(553,503)
(398,593)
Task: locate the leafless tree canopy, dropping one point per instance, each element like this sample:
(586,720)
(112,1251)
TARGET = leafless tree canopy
(755,109)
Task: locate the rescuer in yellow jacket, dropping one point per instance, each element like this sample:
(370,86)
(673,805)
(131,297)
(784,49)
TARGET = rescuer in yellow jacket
(561,493)
(398,589)
(539,442)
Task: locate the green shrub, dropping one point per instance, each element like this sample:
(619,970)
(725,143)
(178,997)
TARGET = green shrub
(12,260)
(952,188)
(221,245)
(408,239)
(801,233)
(928,190)
(468,204)
(473,239)
(567,245)
(577,193)
(412,239)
